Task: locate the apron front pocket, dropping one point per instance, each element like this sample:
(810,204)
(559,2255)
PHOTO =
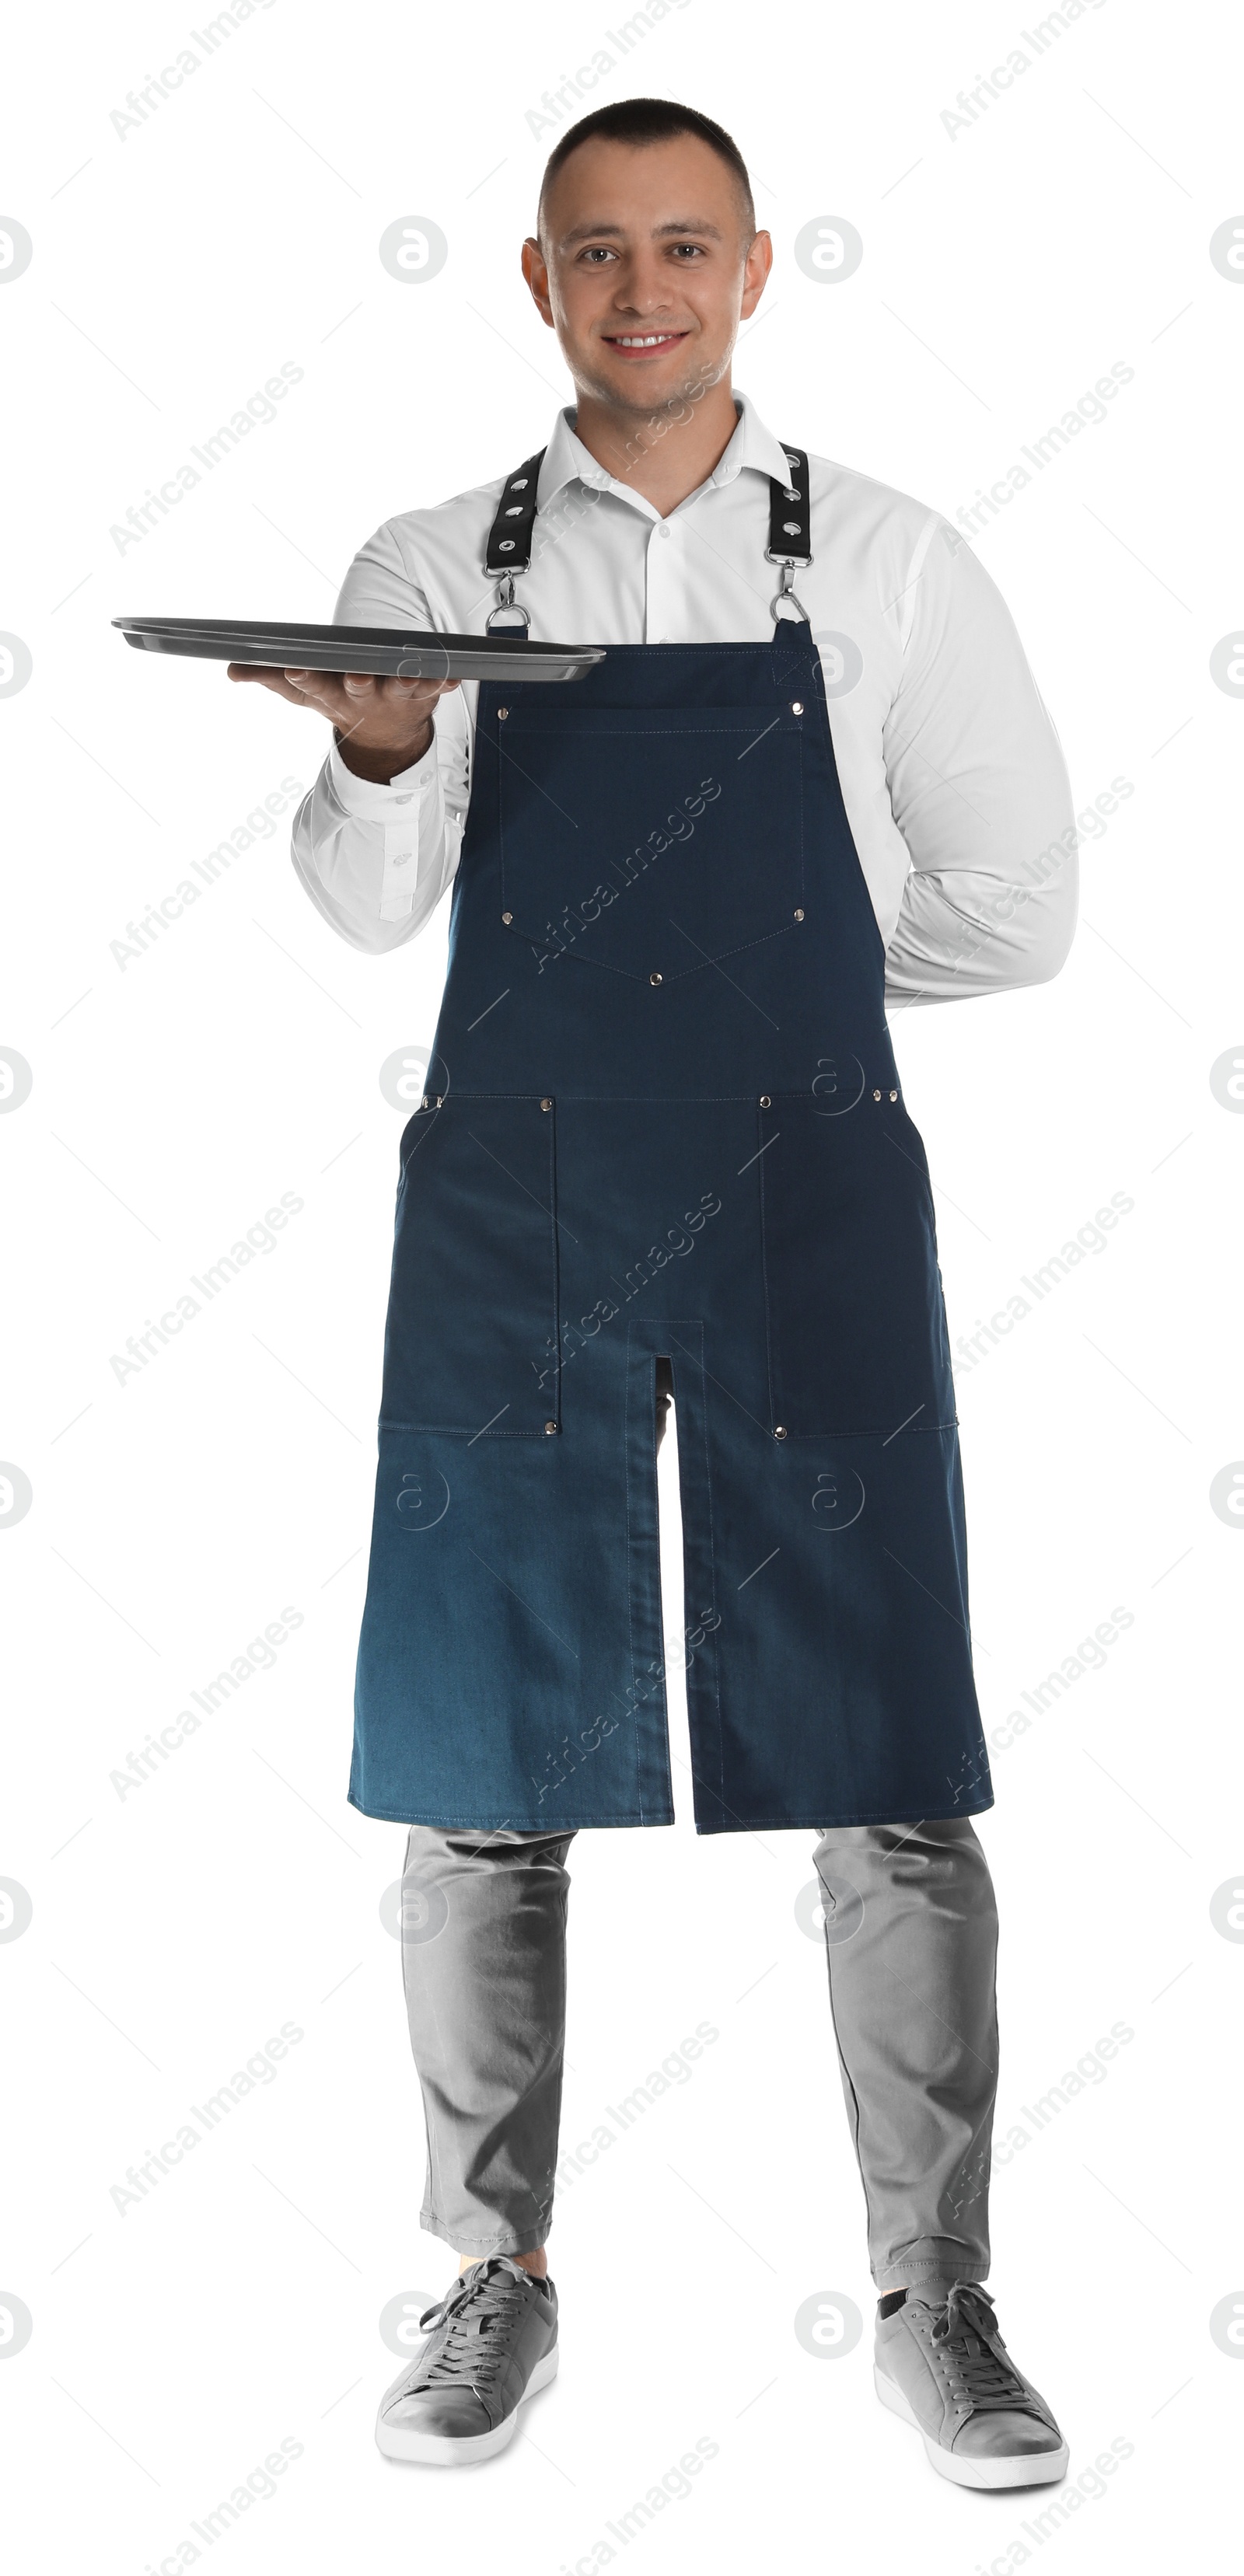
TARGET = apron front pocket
(651,842)
(856,1320)
(471,1341)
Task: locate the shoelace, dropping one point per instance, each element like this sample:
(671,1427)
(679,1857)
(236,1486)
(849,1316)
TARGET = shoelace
(477,2311)
(985,2377)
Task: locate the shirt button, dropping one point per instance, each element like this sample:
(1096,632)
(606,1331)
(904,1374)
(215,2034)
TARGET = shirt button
(405,798)
(664,529)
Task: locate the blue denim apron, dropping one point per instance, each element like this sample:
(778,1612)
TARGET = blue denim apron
(663,1118)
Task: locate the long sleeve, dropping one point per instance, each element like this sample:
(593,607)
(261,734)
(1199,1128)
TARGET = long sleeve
(979,790)
(953,777)
(376,860)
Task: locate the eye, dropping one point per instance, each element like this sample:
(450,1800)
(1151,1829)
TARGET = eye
(596,252)
(695,250)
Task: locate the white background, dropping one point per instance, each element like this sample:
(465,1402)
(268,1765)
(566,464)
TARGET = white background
(176,1097)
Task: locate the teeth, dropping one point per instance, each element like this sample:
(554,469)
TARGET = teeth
(653,340)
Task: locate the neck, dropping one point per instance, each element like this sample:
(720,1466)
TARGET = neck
(665,453)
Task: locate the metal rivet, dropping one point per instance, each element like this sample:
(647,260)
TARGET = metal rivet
(439,1102)
(507,918)
(654,979)
(546,1104)
(424,1102)
(502,713)
(799,914)
(550,1426)
(780,1431)
(765,1101)
(796,706)
(894,1095)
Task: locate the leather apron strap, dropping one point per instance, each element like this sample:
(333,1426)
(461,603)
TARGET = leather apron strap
(508,550)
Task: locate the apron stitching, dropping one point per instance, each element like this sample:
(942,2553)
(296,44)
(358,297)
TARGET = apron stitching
(802,872)
(647,732)
(630,1579)
(857,879)
(457,1431)
(651,1460)
(634,975)
(660,1099)
(933,1430)
(712,1564)
(764,1273)
(555,1251)
(893,1814)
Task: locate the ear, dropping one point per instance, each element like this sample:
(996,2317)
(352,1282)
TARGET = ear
(756,269)
(537,276)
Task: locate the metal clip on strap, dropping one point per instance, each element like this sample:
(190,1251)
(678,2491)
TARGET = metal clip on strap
(509,539)
(509,542)
(790,532)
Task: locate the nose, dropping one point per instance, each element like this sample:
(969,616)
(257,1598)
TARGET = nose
(644,288)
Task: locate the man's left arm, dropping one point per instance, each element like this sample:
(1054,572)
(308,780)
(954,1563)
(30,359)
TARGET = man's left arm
(979,790)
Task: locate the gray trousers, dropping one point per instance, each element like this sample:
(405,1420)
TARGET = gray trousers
(910,1941)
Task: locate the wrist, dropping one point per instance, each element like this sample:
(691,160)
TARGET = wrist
(380,766)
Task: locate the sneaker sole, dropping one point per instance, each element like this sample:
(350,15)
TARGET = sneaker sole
(450,2451)
(1018,2469)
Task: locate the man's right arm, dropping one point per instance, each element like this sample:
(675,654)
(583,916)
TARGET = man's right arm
(376,842)
(376,854)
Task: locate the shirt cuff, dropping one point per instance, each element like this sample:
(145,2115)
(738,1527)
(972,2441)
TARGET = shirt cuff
(374,802)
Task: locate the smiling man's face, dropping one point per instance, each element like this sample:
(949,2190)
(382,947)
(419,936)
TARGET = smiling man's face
(645,268)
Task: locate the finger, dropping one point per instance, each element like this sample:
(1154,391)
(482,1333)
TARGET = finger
(267,679)
(414,688)
(323,691)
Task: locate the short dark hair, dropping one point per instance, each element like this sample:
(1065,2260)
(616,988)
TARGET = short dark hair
(650,120)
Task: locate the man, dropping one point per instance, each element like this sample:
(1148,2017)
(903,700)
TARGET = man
(663,1148)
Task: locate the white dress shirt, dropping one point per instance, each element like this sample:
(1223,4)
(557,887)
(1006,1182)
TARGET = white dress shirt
(952,775)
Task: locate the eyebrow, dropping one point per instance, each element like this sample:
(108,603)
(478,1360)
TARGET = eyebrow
(616,232)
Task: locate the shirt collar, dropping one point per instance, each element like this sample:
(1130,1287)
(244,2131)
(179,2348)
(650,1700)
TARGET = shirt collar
(753,448)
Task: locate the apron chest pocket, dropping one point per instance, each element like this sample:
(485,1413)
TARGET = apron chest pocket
(471,1341)
(649,842)
(856,1320)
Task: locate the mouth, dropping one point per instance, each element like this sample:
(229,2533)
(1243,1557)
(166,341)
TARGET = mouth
(633,345)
